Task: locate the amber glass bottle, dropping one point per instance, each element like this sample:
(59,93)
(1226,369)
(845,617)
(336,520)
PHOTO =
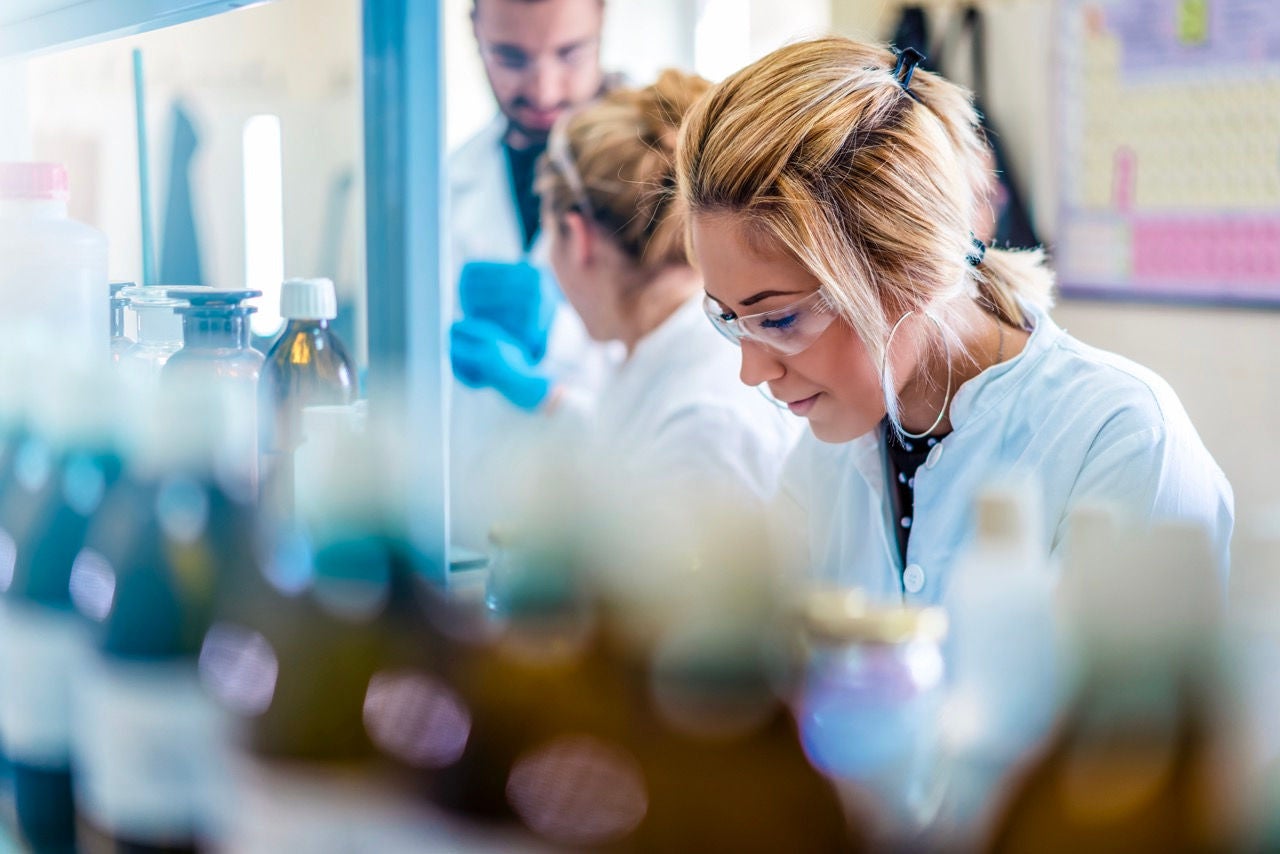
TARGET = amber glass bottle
(307,366)
(645,716)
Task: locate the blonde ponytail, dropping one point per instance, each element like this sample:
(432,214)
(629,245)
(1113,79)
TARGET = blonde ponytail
(614,161)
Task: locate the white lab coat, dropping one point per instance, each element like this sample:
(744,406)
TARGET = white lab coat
(485,427)
(1084,423)
(676,415)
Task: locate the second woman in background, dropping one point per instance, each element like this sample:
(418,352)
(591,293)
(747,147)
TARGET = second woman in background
(674,408)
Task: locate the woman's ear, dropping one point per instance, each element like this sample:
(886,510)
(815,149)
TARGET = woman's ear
(579,238)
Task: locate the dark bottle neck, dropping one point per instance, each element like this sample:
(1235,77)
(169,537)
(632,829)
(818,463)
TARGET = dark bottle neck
(202,330)
(299,324)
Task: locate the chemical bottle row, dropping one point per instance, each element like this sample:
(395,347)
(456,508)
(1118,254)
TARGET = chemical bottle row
(53,273)
(180,676)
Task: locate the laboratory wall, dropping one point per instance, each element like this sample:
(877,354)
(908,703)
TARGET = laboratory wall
(642,37)
(295,60)
(14,136)
(1221,361)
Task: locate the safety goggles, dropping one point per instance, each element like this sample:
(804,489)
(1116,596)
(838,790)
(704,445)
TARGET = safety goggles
(787,330)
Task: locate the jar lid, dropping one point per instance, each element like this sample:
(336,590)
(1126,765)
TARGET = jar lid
(843,616)
(308,299)
(160,296)
(34,181)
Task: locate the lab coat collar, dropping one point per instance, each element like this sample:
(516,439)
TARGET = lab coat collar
(484,203)
(472,162)
(985,391)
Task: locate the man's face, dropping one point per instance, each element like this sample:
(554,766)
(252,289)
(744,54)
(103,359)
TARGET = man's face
(542,58)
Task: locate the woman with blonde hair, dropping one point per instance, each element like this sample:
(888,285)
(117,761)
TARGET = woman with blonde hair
(617,245)
(832,188)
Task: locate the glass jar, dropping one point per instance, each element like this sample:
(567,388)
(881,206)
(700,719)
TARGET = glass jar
(868,711)
(159,329)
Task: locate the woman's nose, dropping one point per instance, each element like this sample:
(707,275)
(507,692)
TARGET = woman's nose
(759,364)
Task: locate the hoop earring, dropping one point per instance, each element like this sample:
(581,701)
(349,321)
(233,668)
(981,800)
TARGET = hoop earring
(884,374)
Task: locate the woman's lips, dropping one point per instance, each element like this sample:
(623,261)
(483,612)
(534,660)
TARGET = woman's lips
(802,407)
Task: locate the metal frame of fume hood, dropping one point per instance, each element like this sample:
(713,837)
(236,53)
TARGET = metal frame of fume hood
(408,309)
(403,77)
(63,24)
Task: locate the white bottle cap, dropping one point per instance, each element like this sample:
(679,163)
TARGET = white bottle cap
(308,299)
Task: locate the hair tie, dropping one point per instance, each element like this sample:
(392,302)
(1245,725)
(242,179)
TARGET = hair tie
(979,251)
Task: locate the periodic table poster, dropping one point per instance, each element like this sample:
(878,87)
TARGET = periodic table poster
(1169,142)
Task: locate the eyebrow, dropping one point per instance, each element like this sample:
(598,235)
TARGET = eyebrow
(764,295)
(572,46)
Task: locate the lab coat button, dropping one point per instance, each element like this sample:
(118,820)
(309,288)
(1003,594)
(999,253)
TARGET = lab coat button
(934,455)
(913,578)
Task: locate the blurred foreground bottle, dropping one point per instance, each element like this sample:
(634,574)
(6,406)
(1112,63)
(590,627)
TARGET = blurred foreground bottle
(295,664)
(168,541)
(66,466)
(308,365)
(868,712)
(1003,658)
(18,388)
(1144,758)
(632,697)
(1254,636)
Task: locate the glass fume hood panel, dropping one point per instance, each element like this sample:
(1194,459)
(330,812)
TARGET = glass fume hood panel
(33,26)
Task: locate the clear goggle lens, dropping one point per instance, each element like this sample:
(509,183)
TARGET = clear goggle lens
(787,330)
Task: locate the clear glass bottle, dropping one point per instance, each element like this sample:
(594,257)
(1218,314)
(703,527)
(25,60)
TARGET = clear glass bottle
(159,328)
(868,711)
(120,340)
(307,365)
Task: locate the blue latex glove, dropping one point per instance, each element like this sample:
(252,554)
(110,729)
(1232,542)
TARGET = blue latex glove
(520,298)
(485,355)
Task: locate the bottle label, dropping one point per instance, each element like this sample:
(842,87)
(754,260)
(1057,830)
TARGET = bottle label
(150,749)
(297,807)
(41,653)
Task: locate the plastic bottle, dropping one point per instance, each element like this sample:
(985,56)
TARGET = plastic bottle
(308,365)
(45,640)
(53,270)
(1003,660)
(216,360)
